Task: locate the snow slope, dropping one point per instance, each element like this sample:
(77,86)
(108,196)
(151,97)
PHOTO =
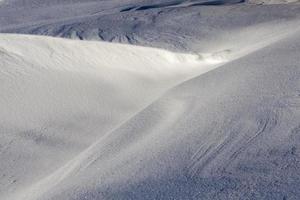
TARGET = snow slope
(177,25)
(58,96)
(76,121)
(97,120)
(232,133)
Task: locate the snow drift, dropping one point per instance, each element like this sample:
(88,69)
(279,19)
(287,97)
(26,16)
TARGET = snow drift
(232,133)
(91,120)
(59,96)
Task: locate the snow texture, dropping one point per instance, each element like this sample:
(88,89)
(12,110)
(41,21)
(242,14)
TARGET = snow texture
(201,101)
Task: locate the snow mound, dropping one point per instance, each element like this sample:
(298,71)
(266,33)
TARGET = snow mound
(75,110)
(58,96)
(232,133)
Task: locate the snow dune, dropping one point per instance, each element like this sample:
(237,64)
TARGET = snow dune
(58,96)
(90,119)
(232,133)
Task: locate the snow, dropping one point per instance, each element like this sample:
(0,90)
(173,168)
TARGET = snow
(181,28)
(59,96)
(214,136)
(269,2)
(201,101)
(62,98)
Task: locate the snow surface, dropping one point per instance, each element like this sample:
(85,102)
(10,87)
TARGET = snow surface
(175,25)
(268,2)
(215,118)
(66,105)
(59,96)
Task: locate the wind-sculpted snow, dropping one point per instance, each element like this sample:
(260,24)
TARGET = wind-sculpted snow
(86,120)
(59,96)
(175,25)
(99,120)
(232,133)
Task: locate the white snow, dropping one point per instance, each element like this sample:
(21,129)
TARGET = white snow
(98,120)
(58,96)
(63,101)
(269,2)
